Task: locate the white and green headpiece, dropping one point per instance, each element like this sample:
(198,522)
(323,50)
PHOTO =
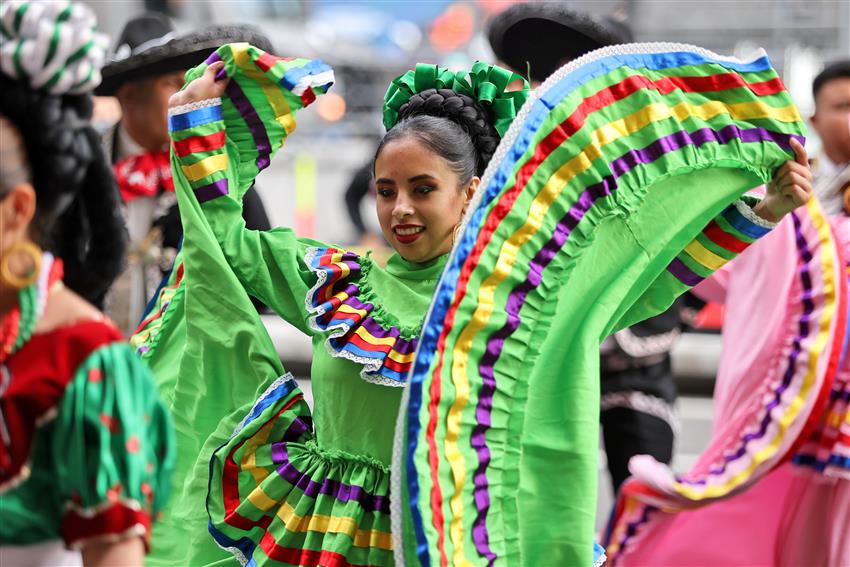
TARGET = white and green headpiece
(54,46)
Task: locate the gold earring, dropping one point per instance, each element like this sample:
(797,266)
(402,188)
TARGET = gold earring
(455,232)
(28,249)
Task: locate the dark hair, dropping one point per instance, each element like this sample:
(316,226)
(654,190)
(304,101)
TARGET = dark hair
(837,70)
(78,214)
(452,126)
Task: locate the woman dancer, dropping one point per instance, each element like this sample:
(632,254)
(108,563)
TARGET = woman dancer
(279,493)
(774,482)
(85,444)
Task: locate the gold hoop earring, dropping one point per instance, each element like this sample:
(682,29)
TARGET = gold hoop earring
(20,247)
(455,232)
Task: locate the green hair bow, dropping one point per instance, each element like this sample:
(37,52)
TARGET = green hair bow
(484,83)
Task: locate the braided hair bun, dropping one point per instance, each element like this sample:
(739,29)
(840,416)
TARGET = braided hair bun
(462,110)
(78,213)
(50,59)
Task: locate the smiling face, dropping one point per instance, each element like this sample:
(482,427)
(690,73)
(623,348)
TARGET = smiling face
(420,199)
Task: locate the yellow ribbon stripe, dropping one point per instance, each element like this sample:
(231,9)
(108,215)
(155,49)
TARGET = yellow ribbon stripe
(249,453)
(278,103)
(704,256)
(600,137)
(334,525)
(205,167)
(401,358)
(346,308)
(364,334)
(261,500)
(796,405)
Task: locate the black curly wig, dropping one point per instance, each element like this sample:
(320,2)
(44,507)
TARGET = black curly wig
(450,124)
(78,214)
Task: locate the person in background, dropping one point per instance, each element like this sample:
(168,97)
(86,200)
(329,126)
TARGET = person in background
(831,120)
(361,185)
(147,67)
(86,445)
(638,393)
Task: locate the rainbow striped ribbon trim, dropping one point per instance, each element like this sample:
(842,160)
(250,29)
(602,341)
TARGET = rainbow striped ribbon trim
(198,143)
(724,238)
(764,440)
(827,451)
(353,331)
(754,105)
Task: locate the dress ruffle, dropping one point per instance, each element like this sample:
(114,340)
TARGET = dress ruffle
(589,218)
(357,329)
(796,400)
(827,450)
(276,498)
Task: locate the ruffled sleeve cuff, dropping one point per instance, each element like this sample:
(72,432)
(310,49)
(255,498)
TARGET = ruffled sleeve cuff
(198,143)
(730,233)
(113,520)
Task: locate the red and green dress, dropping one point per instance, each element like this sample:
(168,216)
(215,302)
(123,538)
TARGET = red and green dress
(87,447)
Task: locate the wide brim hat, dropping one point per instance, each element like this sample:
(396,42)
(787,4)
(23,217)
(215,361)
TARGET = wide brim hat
(173,54)
(537,38)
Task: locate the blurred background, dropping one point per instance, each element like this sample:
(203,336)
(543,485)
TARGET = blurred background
(368,43)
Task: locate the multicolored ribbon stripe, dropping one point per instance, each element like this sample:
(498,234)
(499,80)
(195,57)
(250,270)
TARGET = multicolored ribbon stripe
(253,94)
(803,389)
(568,154)
(724,238)
(249,506)
(827,450)
(352,331)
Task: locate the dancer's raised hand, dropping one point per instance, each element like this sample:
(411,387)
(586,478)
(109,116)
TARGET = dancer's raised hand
(791,187)
(204,87)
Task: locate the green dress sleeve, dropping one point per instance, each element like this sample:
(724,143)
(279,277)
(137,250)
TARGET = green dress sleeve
(113,449)
(269,264)
(203,339)
(726,236)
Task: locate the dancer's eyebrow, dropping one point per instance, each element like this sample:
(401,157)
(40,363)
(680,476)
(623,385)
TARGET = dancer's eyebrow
(413,179)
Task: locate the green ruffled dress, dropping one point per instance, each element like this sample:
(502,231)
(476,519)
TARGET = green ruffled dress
(285,490)
(285,486)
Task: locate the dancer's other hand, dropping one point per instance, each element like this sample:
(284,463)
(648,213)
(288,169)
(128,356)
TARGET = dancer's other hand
(204,87)
(791,187)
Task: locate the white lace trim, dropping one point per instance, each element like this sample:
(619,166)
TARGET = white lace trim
(370,365)
(197,105)
(639,347)
(382,380)
(235,551)
(516,127)
(310,81)
(268,391)
(601,560)
(644,403)
(748,213)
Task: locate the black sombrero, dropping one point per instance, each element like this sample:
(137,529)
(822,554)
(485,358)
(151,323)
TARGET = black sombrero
(149,46)
(540,37)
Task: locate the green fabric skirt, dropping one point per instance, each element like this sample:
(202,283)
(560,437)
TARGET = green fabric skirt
(276,498)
